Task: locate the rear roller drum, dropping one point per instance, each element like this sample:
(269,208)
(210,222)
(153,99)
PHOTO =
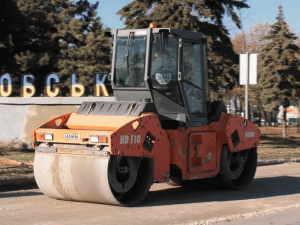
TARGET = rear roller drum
(237,172)
(238,169)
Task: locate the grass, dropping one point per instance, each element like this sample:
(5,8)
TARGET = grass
(274,146)
(25,157)
(19,152)
(13,172)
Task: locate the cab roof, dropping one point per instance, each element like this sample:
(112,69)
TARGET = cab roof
(195,36)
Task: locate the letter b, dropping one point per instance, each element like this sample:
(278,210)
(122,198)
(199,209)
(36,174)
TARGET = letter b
(28,90)
(75,86)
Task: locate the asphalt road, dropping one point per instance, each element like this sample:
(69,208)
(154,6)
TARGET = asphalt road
(289,216)
(274,192)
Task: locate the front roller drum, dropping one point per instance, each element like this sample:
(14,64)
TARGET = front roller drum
(107,180)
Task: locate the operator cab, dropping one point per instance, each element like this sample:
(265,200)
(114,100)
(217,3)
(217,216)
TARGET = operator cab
(165,67)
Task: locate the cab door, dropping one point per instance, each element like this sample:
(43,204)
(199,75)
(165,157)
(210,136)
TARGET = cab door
(193,81)
(202,152)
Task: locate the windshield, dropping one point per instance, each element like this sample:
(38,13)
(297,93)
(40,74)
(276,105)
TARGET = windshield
(130,61)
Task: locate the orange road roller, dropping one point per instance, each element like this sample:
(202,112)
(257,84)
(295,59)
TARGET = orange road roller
(162,126)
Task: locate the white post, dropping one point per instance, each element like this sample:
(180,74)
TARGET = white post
(248,75)
(246,86)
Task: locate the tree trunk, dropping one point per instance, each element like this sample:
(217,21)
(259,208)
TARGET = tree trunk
(284,123)
(235,105)
(298,116)
(212,95)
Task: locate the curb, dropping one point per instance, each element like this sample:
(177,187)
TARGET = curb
(31,180)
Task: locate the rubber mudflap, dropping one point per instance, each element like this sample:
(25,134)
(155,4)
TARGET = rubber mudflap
(74,177)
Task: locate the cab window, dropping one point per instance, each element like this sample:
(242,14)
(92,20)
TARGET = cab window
(164,67)
(195,99)
(192,64)
(193,79)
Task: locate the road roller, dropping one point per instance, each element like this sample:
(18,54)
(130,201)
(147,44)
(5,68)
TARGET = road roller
(161,127)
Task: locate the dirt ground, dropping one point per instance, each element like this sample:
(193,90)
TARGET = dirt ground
(274,146)
(17,161)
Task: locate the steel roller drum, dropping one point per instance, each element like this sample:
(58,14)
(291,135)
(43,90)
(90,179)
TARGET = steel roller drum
(76,178)
(85,178)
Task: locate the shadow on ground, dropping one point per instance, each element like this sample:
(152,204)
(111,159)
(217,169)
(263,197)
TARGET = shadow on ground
(13,188)
(279,142)
(260,188)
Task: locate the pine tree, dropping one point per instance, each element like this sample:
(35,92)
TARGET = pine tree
(14,35)
(202,16)
(279,78)
(53,34)
(88,58)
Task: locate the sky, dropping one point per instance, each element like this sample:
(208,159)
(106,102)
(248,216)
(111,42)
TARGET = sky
(260,11)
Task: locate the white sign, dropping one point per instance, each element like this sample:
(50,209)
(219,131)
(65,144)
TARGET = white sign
(163,78)
(249,134)
(244,69)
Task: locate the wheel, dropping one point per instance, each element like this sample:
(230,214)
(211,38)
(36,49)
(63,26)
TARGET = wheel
(238,169)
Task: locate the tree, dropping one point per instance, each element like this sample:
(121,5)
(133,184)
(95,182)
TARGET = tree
(14,35)
(88,58)
(253,40)
(279,77)
(51,37)
(203,16)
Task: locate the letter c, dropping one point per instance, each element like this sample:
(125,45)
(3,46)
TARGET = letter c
(54,77)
